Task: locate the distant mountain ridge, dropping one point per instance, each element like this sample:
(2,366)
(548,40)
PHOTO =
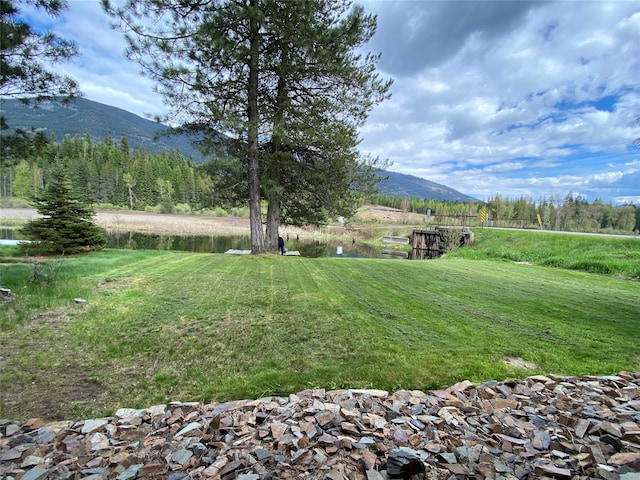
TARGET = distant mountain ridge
(101,121)
(410,186)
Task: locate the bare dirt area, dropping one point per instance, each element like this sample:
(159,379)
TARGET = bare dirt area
(186,224)
(389,215)
(145,222)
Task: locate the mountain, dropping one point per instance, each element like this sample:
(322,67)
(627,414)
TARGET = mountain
(102,121)
(99,120)
(410,186)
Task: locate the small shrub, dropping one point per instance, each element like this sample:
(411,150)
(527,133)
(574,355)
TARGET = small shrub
(111,206)
(242,212)
(182,208)
(450,239)
(154,209)
(220,212)
(14,202)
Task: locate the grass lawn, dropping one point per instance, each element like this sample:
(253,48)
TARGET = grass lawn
(611,255)
(162,326)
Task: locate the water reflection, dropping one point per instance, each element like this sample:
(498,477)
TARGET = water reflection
(8,233)
(220,244)
(188,243)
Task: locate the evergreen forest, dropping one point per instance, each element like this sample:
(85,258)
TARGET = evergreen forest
(107,174)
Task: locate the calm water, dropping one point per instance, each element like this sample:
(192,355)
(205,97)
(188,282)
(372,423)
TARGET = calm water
(220,244)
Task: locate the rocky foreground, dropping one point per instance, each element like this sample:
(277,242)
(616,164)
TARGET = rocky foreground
(540,427)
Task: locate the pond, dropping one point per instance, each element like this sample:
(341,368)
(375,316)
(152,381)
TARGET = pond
(220,244)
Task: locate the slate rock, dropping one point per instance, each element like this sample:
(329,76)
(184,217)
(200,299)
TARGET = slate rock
(404,462)
(538,427)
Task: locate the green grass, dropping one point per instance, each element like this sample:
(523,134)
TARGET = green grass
(163,326)
(618,256)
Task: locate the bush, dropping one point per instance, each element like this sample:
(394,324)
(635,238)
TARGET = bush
(14,202)
(154,209)
(111,206)
(450,238)
(182,208)
(242,212)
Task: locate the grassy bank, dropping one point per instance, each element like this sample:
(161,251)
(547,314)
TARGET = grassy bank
(610,255)
(163,326)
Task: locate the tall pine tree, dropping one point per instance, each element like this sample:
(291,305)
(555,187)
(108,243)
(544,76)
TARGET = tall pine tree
(283,79)
(324,89)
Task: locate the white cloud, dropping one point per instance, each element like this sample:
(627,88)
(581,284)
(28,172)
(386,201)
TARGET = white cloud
(526,93)
(510,98)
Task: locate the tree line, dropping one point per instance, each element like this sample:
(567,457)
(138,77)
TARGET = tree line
(110,173)
(107,172)
(570,212)
(290,85)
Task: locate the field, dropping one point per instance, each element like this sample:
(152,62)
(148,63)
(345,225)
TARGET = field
(148,222)
(160,326)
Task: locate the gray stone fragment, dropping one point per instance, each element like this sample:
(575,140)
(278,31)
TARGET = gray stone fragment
(93,424)
(630,476)
(404,462)
(12,429)
(374,475)
(192,426)
(262,454)
(198,449)
(32,461)
(178,476)
(36,474)
(182,456)
(333,475)
(130,473)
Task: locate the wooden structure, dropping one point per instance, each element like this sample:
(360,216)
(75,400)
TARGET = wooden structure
(433,243)
(392,239)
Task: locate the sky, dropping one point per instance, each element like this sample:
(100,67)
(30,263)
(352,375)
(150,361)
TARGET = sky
(512,98)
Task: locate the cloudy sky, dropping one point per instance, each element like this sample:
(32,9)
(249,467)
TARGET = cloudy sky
(514,98)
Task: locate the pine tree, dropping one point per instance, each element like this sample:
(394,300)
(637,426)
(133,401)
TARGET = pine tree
(323,92)
(282,78)
(27,54)
(66,224)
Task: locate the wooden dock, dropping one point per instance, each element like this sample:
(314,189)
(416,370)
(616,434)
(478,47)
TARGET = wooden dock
(393,239)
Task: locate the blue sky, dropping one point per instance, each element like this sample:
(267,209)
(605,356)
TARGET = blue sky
(515,98)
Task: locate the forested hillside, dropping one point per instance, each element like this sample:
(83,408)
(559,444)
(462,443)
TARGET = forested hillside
(81,117)
(409,186)
(109,172)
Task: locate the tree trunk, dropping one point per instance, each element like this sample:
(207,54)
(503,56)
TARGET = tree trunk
(275,200)
(273,224)
(255,214)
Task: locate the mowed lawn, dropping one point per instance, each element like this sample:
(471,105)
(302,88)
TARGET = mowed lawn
(162,326)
